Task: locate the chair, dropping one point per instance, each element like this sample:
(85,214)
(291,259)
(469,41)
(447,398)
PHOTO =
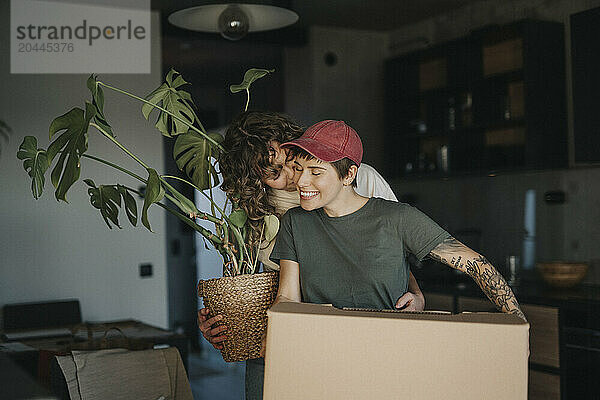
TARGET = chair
(122,374)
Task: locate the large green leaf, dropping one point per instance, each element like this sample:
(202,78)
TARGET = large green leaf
(107,199)
(271,227)
(250,76)
(183,203)
(98,102)
(238,218)
(177,102)
(154,193)
(130,204)
(35,163)
(192,154)
(71,144)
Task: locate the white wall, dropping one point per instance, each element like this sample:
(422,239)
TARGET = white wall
(54,250)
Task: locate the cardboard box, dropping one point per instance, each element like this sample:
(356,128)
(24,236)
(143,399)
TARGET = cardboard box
(319,352)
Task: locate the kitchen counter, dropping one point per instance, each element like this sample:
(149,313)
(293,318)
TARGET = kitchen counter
(528,291)
(579,306)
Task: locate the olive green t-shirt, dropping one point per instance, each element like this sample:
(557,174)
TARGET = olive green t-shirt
(359,259)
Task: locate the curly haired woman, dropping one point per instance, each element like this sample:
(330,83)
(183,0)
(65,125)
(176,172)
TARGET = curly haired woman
(257,174)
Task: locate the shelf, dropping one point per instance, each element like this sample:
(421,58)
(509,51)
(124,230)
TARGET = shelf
(435,134)
(503,124)
(492,100)
(450,90)
(507,76)
(451,134)
(505,137)
(503,56)
(433,74)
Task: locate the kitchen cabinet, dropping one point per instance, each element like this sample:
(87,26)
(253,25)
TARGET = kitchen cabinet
(493,100)
(439,302)
(543,386)
(543,334)
(580,349)
(474,305)
(585,59)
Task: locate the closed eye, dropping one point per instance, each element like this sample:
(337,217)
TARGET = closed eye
(272,172)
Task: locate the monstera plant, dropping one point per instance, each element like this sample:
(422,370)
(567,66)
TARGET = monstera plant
(196,152)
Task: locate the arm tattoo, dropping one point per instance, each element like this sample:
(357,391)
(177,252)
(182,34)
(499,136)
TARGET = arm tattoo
(458,256)
(494,286)
(448,246)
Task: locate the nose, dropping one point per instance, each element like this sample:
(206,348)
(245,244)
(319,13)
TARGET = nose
(302,178)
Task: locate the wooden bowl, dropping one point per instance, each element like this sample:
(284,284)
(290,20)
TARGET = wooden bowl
(562,274)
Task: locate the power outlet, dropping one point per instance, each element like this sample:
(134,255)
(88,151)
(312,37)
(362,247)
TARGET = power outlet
(145,270)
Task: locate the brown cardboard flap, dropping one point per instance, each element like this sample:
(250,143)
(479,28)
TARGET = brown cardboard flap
(329,310)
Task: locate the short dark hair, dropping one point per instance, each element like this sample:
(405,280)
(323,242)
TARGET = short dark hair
(342,167)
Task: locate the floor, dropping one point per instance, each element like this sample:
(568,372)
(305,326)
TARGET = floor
(211,378)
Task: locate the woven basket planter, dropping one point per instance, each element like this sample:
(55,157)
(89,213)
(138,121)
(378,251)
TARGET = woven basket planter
(243,302)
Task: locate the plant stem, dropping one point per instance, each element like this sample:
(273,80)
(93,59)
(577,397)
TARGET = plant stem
(195,187)
(218,229)
(227,247)
(262,228)
(192,127)
(203,231)
(202,215)
(134,190)
(210,192)
(117,167)
(248,99)
(213,202)
(242,246)
(119,145)
(225,203)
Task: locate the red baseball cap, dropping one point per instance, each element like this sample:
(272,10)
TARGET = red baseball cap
(330,141)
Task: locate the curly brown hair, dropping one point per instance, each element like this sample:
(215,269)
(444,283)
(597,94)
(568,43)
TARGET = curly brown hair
(245,161)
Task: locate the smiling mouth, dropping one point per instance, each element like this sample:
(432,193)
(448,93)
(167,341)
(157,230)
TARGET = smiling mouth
(307,195)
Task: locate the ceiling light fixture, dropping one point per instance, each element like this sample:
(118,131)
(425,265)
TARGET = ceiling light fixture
(233,21)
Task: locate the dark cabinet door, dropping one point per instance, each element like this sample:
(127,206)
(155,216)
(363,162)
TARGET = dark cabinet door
(585,58)
(493,100)
(582,363)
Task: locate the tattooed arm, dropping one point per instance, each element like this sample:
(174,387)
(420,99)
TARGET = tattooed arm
(458,256)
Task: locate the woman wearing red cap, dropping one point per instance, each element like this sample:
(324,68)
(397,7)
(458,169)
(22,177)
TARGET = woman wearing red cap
(255,172)
(344,249)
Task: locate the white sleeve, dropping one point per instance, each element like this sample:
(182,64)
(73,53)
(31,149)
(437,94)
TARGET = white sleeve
(370,184)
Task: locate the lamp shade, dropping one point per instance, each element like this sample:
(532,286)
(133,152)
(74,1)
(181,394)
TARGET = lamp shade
(206,18)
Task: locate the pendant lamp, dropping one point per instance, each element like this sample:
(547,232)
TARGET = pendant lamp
(233,21)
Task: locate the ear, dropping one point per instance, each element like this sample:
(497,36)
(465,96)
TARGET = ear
(352,171)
